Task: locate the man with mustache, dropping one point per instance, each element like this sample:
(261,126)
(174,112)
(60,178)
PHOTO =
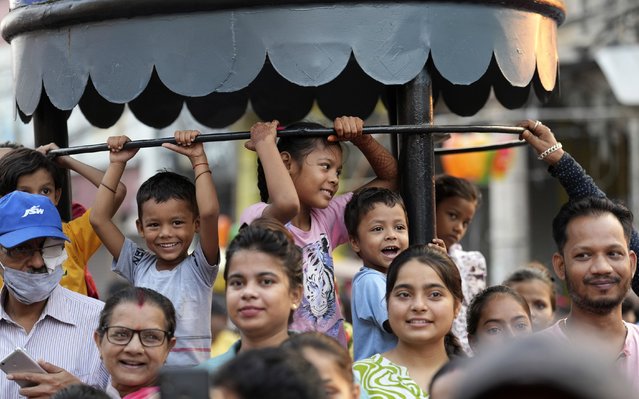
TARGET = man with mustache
(593,258)
(51,323)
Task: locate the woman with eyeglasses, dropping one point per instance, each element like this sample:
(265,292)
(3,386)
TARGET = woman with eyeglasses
(134,337)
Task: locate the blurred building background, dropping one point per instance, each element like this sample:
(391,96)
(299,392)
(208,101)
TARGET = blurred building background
(595,115)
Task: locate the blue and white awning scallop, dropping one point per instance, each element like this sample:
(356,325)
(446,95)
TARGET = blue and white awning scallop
(204,53)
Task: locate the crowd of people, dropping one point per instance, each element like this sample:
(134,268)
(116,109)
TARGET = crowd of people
(424,322)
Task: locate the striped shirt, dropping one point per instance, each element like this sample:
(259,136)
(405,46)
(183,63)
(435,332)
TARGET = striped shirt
(63,336)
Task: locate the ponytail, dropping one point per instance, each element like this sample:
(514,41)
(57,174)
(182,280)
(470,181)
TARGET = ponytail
(453,346)
(261,182)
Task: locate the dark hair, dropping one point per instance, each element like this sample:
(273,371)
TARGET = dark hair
(164,186)
(298,148)
(538,366)
(25,161)
(80,391)
(447,271)
(458,363)
(476,306)
(270,223)
(273,240)
(588,206)
(447,186)
(325,344)
(268,235)
(364,200)
(270,373)
(531,272)
(140,296)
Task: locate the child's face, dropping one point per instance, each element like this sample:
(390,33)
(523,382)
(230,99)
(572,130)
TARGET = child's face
(454,214)
(259,298)
(538,296)
(168,229)
(420,307)
(39,182)
(502,318)
(316,177)
(381,235)
(336,385)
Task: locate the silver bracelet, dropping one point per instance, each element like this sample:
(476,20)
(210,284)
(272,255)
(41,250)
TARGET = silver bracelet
(549,151)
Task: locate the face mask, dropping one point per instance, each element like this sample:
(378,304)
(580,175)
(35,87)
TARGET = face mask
(30,288)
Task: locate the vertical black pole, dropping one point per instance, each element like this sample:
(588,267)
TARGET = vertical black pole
(416,160)
(50,125)
(391,96)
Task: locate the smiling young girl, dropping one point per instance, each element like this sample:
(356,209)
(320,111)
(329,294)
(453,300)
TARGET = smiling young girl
(263,287)
(298,180)
(424,294)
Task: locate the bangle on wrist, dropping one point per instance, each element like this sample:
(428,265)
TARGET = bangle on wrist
(201,173)
(201,163)
(549,151)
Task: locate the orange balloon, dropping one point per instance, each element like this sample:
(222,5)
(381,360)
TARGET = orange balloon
(474,166)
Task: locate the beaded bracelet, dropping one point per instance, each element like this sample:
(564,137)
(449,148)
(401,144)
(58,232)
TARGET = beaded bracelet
(549,151)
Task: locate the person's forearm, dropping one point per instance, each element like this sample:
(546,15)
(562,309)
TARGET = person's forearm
(382,162)
(281,190)
(95,176)
(574,179)
(209,209)
(105,202)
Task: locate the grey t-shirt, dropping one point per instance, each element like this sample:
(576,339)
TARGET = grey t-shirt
(188,286)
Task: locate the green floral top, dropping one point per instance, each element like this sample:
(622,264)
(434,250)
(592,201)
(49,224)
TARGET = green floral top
(382,379)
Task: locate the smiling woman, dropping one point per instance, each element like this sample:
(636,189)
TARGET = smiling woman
(263,287)
(423,295)
(134,338)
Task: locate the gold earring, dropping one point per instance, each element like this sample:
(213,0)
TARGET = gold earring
(294,306)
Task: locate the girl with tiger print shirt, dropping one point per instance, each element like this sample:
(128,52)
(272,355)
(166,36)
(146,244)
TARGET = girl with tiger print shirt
(298,178)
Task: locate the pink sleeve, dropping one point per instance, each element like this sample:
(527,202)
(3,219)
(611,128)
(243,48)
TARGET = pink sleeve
(335,219)
(252,212)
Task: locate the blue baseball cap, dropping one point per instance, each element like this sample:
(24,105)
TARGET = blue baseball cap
(25,216)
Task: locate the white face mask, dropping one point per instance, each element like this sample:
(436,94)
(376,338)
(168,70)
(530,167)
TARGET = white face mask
(30,288)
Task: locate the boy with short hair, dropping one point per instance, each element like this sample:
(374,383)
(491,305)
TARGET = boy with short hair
(377,226)
(171,209)
(31,171)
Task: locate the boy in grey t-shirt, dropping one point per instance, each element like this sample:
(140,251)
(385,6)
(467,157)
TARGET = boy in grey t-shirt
(171,209)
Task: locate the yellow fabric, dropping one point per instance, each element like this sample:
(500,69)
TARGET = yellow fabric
(224,340)
(84,243)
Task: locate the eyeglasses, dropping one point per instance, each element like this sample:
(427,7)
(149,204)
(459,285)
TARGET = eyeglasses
(149,337)
(26,251)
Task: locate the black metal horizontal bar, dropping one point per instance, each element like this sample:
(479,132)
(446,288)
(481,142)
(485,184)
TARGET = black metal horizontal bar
(479,148)
(303,132)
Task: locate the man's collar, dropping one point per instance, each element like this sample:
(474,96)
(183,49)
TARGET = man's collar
(56,306)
